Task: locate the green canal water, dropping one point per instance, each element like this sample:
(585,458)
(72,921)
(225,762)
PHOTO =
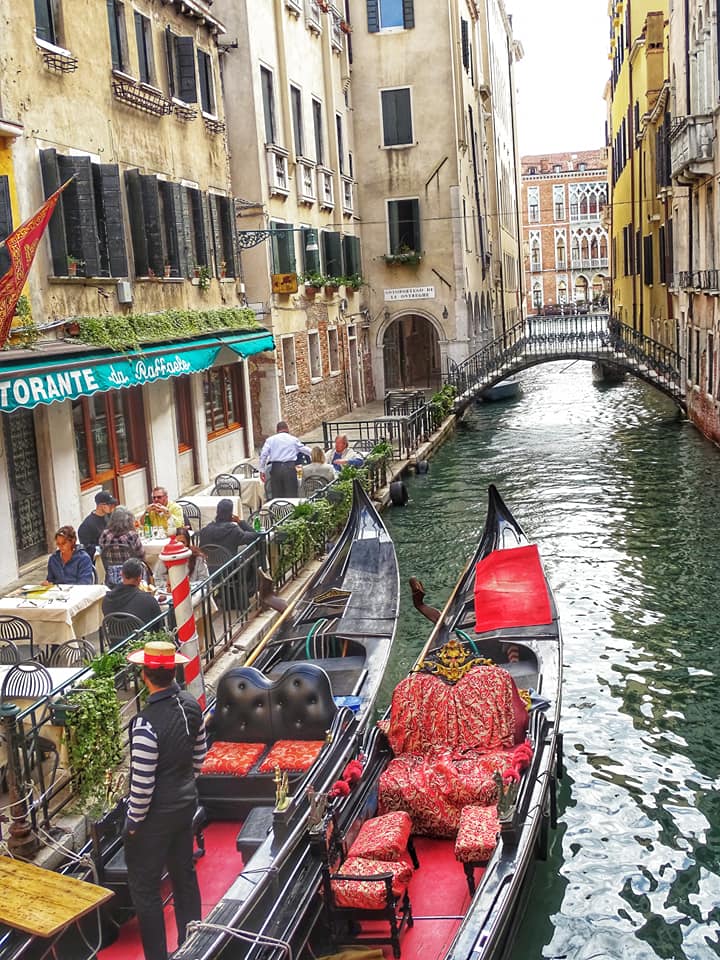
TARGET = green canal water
(623,499)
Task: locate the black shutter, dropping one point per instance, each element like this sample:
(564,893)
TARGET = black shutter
(198,220)
(6,224)
(81,228)
(173,218)
(56,227)
(408,14)
(170,57)
(661,255)
(373,16)
(207,226)
(185,57)
(111,228)
(202,57)
(115,51)
(137,222)
(153,223)
(185,237)
(351,253)
(332,250)
(143,66)
(226,210)
(216,234)
(464,43)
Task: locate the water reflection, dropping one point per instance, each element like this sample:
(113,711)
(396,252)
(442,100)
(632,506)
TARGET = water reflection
(621,496)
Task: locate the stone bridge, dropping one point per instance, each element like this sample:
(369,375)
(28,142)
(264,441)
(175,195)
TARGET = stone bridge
(591,336)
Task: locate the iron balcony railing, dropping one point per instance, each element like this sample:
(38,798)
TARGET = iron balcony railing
(405,432)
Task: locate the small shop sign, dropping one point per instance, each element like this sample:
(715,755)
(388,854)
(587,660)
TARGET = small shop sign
(410,293)
(284,282)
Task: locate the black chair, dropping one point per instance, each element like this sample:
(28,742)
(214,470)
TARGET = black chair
(226,485)
(191,514)
(217,556)
(280,509)
(312,485)
(17,630)
(118,626)
(246,470)
(72,653)
(27,679)
(9,653)
(263,517)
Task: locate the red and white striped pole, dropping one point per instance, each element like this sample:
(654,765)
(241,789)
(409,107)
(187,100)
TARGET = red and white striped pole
(175,556)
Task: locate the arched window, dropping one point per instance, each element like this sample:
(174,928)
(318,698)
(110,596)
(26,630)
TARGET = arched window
(562,292)
(560,258)
(581,289)
(537,295)
(575,252)
(603,247)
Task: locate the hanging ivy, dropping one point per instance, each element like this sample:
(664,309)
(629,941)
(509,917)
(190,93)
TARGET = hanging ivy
(124,331)
(94,734)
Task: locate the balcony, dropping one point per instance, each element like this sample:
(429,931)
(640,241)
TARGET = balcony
(313,15)
(141,96)
(691,149)
(305,179)
(325,188)
(706,280)
(535,267)
(277,170)
(347,190)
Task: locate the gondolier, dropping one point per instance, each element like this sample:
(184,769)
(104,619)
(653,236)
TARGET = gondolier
(167,748)
(278,458)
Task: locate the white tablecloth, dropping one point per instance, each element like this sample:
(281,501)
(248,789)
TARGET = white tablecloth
(60,613)
(208,505)
(153,549)
(252,492)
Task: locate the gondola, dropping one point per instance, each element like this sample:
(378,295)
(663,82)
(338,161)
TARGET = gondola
(318,673)
(477,829)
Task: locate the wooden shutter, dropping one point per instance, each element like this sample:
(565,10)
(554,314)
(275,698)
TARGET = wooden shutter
(81,228)
(185,238)
(137,222)
(283,248)
(143,65)
(150,191)
(202,257)
(56,227)
(203,64)
(111,228)
(115,50)
(170,59)
(408,14)
(332,250)
(207,229)
(216,228)
(351,253)
(465,43)
(44,27)
(185,59)
(226,210)
(311,258)
(6,224)
(373,16)
(173,223)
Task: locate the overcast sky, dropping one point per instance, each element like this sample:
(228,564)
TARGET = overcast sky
(562,76)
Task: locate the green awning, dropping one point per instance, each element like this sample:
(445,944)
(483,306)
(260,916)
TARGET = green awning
(32,381)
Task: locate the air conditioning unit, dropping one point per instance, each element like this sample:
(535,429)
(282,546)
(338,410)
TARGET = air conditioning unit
(124,291)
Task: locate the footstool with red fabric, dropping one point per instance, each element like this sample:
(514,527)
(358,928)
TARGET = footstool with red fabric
(385,838)
(476,838)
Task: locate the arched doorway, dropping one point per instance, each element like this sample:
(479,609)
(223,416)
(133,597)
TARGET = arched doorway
(411,354)
(581,290)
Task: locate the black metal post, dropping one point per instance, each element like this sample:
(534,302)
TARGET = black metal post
(22,841)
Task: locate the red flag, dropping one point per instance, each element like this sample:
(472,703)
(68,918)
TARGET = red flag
(21,245)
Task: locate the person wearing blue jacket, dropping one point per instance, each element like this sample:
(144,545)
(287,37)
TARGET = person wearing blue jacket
(70,563)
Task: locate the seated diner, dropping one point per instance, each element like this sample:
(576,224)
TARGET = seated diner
(162,513)
(70,563)
(317,467)
(343,455)
(128,597)
(197,563)
(118,543)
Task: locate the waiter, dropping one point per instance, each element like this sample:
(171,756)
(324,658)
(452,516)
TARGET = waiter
(167,748)
(278,458)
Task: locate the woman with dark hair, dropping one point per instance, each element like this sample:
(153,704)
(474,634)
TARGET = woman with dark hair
(197,563)
(118,542)
(70,563)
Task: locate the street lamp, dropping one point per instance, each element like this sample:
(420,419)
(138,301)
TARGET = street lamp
(253,238)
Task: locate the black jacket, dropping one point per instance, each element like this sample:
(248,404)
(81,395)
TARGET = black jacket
(228,534)
(126,598)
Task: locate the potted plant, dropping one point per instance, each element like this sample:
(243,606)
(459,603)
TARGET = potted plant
(403,255)
(345,26)
(332,284)
(312,282)
(353,282)
(72,265)
(203,276)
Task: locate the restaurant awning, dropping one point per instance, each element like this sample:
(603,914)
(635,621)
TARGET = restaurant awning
(34,380)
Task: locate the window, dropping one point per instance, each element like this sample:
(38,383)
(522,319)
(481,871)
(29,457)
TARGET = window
(314,358)
(332,253)
(333,350)
(559,202)
(205,75)
(287,349)
(340,142)
(297,118)
(390,15)
(268,98)
(222,214)
(223,405)
(404,226)
(182,395)
(560,253)
(351,255)
(648,260)
(143,36)
(283,248)
(46,21)
(318,132)
(91,228)
(108,434)
(118,35)
(396,117)
(181,67)
(537,297)
(533,199)
(535,251)
(557,168)
(6,221)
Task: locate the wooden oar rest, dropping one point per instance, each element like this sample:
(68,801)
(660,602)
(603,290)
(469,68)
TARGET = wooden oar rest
(260,724)
(476,838)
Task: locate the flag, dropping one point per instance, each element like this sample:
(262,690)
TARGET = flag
(21,246)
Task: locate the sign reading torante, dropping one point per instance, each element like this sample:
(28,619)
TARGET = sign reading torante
(410,293)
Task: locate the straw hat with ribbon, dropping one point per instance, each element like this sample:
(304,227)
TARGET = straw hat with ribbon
(157,653)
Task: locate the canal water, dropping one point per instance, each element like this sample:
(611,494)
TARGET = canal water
(622,497)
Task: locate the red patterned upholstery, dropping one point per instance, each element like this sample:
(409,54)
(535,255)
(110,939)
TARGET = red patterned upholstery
(233,758)
(292,755)
(477,834)
(383,838)
(369,894)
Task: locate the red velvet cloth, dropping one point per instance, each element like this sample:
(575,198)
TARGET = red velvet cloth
(510,590)
(477,834)
(369,894)
(292,755)
(233,758)
(383,838)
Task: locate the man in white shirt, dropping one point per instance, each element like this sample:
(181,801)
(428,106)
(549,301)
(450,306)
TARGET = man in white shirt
(278,458)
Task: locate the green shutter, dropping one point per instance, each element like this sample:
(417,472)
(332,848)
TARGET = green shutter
(283,248)
(185,238)
(56,227)
(216,232)
(185,59)
(169,193)
(311,258)
(111,227)
(137,222)
(226,209)
(351,252)
(44,27)
(115,51)
(170,59)
(373,16)
(150,190)
(332,253)
(81,227)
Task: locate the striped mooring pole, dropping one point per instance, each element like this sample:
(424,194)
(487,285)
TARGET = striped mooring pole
(175,556)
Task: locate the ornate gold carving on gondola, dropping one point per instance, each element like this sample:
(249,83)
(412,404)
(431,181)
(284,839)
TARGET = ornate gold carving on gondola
(332,597)
(451,662)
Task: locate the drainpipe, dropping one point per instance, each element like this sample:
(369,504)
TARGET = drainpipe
(691,229)
(631,114)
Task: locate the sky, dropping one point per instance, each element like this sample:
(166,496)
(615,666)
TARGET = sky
(561,79)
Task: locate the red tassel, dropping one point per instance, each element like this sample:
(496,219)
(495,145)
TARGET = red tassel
(339,789)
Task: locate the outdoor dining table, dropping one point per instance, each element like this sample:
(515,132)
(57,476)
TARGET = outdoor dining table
(208,505)
(252,491)
(58,613)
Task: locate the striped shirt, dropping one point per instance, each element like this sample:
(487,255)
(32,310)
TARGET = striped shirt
(143,766)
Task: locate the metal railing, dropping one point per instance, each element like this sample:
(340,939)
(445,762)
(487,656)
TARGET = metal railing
(404,432)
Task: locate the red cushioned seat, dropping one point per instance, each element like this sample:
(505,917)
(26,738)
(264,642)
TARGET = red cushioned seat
(292,755)
(383,838)
(369,894)
(232,758)
(477,834)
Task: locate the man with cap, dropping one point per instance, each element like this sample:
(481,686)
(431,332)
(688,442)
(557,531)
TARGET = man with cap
(227,530)
(167,749)
(94,523)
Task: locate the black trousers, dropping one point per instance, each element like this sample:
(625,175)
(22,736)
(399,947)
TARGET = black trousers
(162,840)
(283,480)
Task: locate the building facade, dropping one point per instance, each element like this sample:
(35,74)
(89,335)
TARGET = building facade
(124,102)
(564,209)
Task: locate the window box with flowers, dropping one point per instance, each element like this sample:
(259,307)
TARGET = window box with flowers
(403,257)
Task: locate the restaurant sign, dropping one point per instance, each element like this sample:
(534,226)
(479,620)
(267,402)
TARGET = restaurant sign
(83,380)
(410,293)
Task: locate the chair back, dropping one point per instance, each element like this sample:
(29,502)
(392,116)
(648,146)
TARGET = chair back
(264,516)
(9,653)
(217,556)
(226,485)
(280,509)
(312,485)
(17,630)
(191,514)
(118,626)
(27,679)
(244,469)
(72,653)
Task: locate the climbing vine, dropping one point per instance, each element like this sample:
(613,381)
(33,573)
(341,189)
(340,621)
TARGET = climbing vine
(120,331)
